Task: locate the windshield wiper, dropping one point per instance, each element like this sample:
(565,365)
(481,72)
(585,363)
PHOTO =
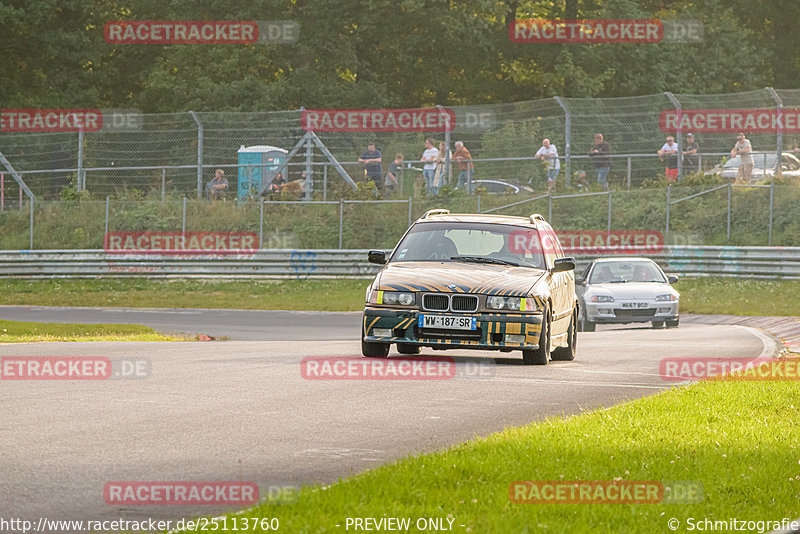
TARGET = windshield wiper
(484,259)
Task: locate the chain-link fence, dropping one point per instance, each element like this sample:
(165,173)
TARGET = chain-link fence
(176,154)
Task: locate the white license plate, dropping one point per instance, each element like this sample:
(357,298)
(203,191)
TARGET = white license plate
(454,322)
(634,304)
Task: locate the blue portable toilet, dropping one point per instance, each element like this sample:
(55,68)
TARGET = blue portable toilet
(258,165)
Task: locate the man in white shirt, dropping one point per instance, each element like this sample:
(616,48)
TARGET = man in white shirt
(549,155)
(429,167)
(744,150)
(669,152)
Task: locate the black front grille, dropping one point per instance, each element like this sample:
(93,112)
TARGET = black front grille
(464,303)
(440,333)
(644,312)
(435,302)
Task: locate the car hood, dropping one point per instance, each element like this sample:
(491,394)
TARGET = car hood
(631,290)
(457,277)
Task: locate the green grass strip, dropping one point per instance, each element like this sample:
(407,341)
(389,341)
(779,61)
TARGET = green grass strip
(23,332)
(731,296)
(740,440)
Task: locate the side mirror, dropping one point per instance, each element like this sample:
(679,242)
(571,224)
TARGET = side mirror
(579,280)
(377,256)
(672,279)
(563,264)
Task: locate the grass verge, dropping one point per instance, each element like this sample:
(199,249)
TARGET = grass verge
(740,440)
(22,332)
(698,295)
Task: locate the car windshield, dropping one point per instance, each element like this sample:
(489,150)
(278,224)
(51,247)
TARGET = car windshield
(471,243)
(761,160)
(611,272)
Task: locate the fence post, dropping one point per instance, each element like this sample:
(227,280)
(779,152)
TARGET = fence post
(341,220)
(183,221)
(609,213)
(446,177)
(550,208)
(666,232)
(261,225)
(325,182)
(629,172)
(309,183)
(105,234)
(567,139)
(2,190)
(409,210)
(479,203)
(199,154)
(20,196)
(679,139)
(730,188)
(80,161)
(771,202)
(779,133)
(163,183)
(30,245)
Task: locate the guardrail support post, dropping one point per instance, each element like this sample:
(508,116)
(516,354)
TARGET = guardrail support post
(261,225)
(341,220)
(730,188)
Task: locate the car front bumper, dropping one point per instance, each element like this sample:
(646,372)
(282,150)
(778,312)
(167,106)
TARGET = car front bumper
(617,312)
(491,330)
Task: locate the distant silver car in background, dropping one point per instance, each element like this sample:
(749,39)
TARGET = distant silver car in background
(626,290)
(764,166)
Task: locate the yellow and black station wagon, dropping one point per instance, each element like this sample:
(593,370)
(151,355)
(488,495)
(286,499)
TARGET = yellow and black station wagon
(485,282)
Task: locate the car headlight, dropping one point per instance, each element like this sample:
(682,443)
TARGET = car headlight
(392,297)
(602,298)
(670,297)
(510,303)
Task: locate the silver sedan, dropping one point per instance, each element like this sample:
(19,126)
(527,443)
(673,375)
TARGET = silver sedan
(626,290)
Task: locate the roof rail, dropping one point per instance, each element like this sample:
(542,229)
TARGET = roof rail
(537,217)
(438,211)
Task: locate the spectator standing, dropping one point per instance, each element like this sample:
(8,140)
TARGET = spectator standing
(600,157)
(465,165)
(392,176)
(429,167)
(218,185)
(691,161)
(442,176)
(744,150)
(276,184)
(669,153)
(548,153)
(372,164)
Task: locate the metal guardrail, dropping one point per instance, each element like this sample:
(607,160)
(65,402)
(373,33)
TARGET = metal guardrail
(746,262)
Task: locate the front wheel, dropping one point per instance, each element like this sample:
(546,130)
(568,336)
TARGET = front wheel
(567,354)
(673,324)
(374,350)
(658,324)
(542,354)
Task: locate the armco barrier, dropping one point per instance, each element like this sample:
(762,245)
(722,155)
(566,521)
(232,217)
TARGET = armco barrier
(756,262)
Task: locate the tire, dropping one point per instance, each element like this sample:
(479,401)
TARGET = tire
(587,325)
(673,324)
(374,350)
(542,354)
(658,324)
(567,354)
(405,348)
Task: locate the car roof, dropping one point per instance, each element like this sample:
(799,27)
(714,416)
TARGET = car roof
(484,218)
(622,258)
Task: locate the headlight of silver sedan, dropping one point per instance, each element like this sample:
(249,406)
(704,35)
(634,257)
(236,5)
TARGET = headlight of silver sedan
(664,298)
(602,298)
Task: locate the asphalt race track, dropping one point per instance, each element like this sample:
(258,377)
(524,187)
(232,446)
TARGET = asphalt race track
(240,410)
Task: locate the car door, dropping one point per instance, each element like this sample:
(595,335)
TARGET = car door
(562,285)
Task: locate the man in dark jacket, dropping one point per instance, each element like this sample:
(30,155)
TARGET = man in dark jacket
(599,154)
